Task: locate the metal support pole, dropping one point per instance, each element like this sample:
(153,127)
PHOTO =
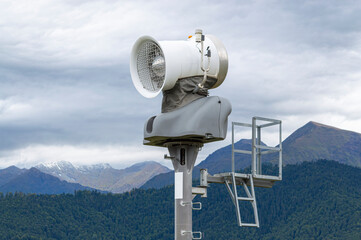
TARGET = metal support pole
(259,163)
(254,154)
(183,158)
(280,154)
(233,166)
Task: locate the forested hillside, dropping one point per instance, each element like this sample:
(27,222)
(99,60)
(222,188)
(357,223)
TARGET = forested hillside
(316,200)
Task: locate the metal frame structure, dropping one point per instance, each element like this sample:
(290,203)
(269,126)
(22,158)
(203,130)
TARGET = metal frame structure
(258,149)
(248,181)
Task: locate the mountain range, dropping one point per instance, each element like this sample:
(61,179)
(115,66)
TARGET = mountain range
(63,177)
(311,142)
(315,200)
(13,179)
(103,176)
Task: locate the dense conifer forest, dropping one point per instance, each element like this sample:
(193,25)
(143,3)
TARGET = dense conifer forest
(315,200)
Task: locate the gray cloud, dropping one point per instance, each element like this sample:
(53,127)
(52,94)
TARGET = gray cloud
(64,67)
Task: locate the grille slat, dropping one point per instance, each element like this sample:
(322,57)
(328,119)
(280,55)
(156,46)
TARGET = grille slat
(151,66)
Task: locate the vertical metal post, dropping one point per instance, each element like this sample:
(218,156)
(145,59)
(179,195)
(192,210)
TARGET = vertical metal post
(259,164)
(183,159)
(233,167)
(254,146)
(280,154)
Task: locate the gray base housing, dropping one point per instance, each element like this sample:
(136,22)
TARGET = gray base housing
(203,120)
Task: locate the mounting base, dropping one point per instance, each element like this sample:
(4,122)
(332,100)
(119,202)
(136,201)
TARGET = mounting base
(183,156)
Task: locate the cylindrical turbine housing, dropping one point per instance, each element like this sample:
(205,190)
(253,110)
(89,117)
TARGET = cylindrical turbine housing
(155,66)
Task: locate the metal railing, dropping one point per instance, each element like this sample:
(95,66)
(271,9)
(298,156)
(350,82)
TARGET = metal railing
(258,149)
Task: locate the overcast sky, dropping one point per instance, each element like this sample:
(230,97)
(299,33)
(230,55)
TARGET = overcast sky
(66,92)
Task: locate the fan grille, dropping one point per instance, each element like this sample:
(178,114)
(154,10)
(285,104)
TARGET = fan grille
(151,66)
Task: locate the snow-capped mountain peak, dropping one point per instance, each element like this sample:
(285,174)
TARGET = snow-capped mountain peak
(99,166)
(60,165)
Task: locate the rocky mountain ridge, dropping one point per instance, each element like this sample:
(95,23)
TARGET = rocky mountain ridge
(103,176)
(64,177)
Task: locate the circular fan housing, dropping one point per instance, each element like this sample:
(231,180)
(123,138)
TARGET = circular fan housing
(157,66)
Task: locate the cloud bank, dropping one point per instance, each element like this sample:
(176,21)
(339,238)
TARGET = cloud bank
(65,85)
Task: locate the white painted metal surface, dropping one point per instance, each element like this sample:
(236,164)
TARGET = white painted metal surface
(178,185)
(181,59)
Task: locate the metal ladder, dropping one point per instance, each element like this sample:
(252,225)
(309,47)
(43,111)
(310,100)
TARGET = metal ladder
(251,197)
